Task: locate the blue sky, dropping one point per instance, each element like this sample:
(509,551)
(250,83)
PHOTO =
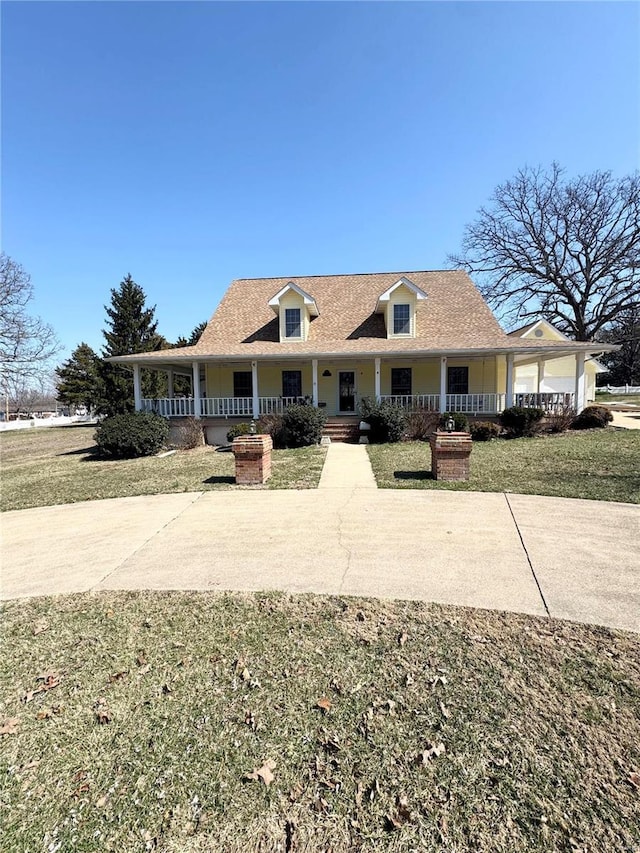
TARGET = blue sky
(193,143)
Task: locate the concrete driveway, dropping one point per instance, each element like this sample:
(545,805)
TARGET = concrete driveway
(546,556)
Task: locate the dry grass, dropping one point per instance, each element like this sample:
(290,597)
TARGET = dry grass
(55,466)
(166,701)
(594,464)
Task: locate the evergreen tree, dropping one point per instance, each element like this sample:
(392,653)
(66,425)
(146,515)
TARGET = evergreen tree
(132,329)
(79,380)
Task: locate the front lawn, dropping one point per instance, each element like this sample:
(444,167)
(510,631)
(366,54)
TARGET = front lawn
(595,464)
(46,466)
(193,722)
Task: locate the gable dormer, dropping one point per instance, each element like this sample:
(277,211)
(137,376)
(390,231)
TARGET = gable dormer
(295,309)
(398,305)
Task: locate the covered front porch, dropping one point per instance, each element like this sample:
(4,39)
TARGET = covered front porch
(476,386)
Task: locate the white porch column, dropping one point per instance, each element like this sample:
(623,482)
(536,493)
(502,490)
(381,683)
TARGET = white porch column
(314,381)
(579,398)
(137,388)
(540,375)
(169,383)
(509,389)
(377,380)
(443,384)
(196,389)
(254,385)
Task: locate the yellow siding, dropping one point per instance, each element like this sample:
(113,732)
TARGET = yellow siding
(401,296)
(292,300)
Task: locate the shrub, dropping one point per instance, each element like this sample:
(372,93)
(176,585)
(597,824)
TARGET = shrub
(133,434)
(484,430)
(387,421)
(560,420)
(273,425)
(188,433)
(461,421)
(519,421)
(420,424)
(593,417)
(303,425)
(237,430)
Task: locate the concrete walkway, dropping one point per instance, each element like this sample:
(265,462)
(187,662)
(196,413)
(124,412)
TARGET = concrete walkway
(347,466)
(573,559)
(626,420)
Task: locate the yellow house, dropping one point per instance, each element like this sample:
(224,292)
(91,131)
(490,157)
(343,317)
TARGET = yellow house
(423,339)
(552,374)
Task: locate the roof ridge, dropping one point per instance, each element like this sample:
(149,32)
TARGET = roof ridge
(349,274)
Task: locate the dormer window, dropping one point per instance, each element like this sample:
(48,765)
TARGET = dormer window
(292,326)
(399,305)
(401,319)
(295,309)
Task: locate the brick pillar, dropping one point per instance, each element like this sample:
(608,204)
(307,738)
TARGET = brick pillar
(450,452)
(253,459)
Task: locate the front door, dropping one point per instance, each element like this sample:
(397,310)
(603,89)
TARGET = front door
(347,391)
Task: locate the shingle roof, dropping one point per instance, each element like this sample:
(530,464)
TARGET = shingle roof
(454,316)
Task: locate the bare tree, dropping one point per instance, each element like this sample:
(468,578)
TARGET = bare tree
(26,342)
(567,250)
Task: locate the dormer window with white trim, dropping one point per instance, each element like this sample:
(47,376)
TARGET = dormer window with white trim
(292,326)
(402,318)
(398,304)
(295,309)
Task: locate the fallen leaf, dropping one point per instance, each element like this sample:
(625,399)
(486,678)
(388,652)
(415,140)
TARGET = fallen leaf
(9,726)
(49,681)
(40,627)
(103,715)
(402,639)
(144,669)
(401,815)
(116,676)
(141,658)
(109,613)
(324,704)
(263,774)
(102,801)
(432,751)
(634,779)
(246,675)
(444,710)
(48,713)
(250,720)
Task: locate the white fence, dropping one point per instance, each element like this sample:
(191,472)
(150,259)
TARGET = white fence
(37,423)
(620,389)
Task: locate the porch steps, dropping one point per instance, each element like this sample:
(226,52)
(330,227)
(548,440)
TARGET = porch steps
(346,430)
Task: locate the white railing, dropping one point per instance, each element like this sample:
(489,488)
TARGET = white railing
(411,402)
(169,407)
(226,407)
(476,404)
(550,402)
(276,405)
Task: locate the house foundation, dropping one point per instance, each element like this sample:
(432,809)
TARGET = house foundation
(450,456)
(253,459)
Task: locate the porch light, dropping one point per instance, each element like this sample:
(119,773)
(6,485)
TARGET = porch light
(326,373)
(450,424)
(252,427)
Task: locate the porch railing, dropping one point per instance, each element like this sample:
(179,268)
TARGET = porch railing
(470,404)
(411,402)
(551,403)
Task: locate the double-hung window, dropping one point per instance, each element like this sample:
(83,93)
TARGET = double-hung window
(292,324)
(401,319)
(401,381)
(292,383)
(242,383)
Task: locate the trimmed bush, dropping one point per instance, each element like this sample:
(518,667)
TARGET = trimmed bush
(484,430)
(420,425)
(273,425)
(593,417)
(131,435)
(303,425)
(237,430)
(387,421)
(519,421)
(461,421)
